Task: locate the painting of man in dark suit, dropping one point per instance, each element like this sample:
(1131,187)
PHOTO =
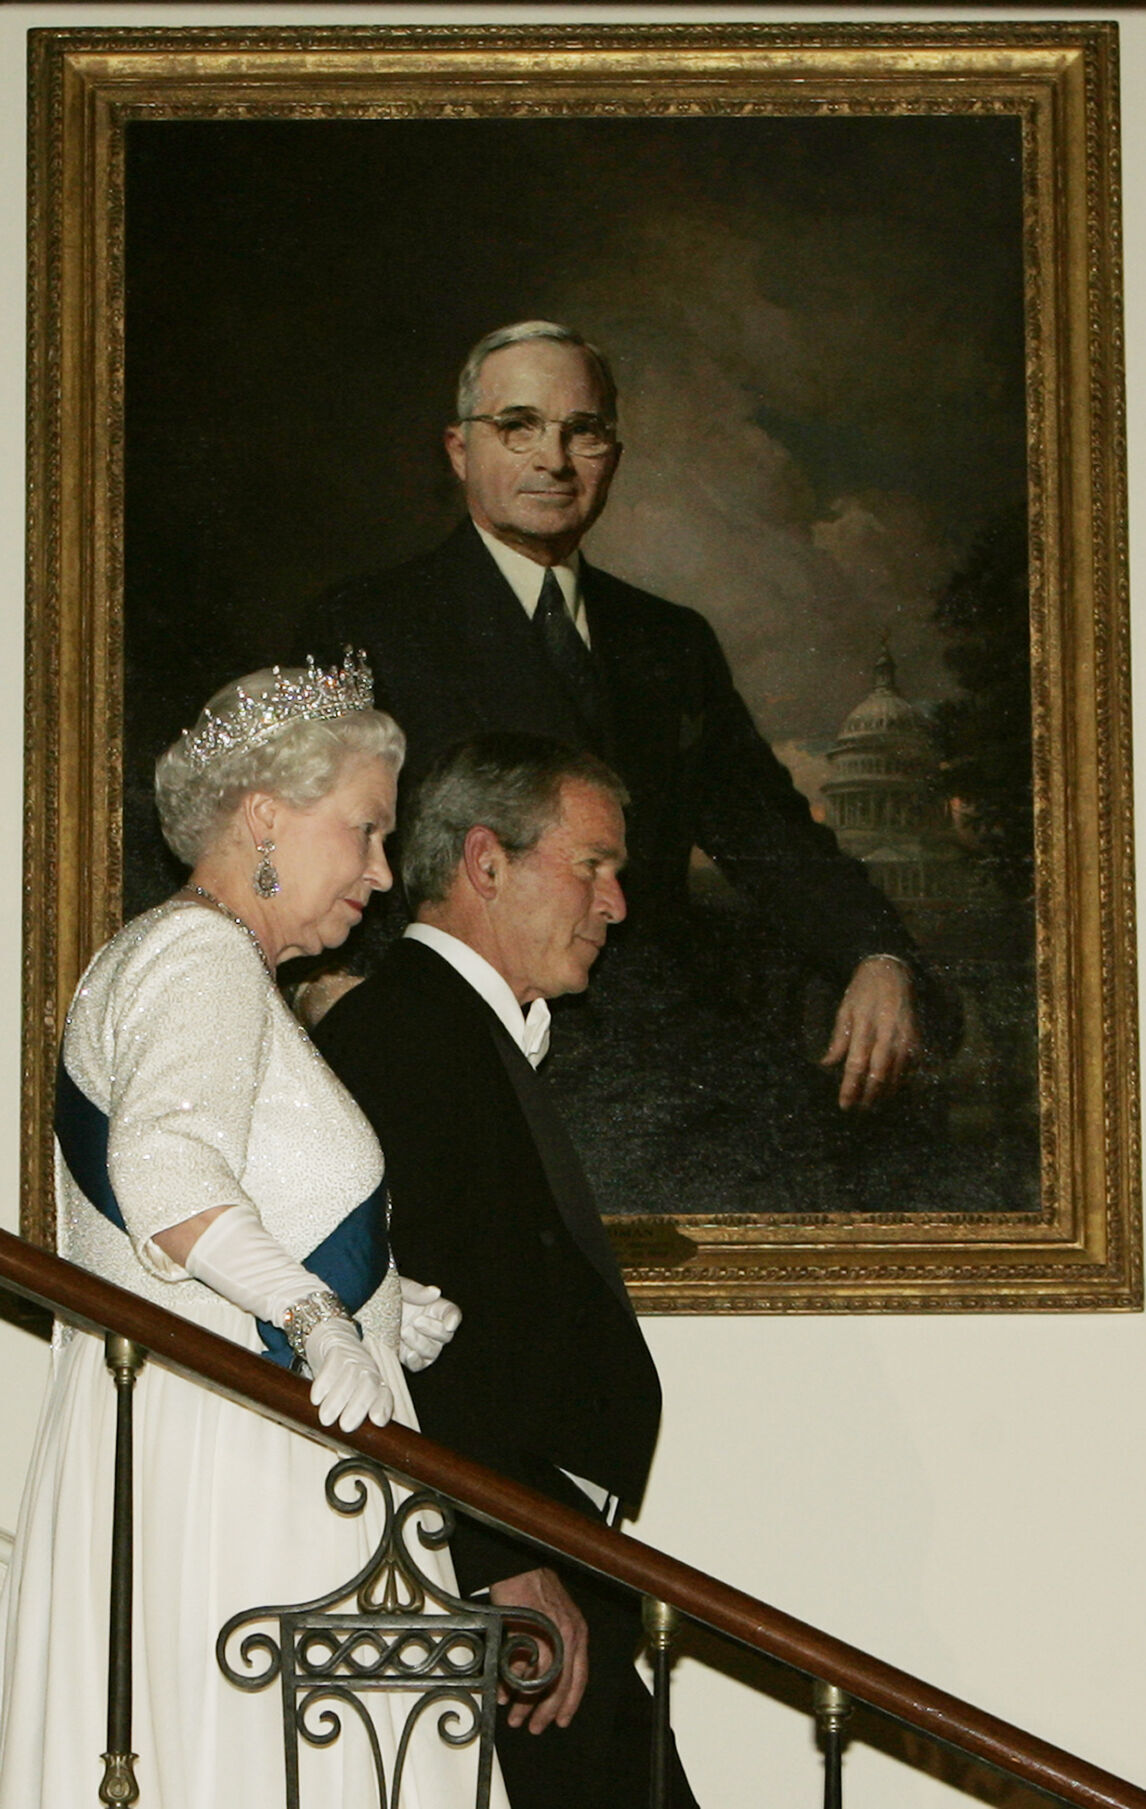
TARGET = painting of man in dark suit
(819,348)
(507,626)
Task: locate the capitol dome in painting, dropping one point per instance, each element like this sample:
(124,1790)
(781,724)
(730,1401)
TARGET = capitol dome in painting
(885,800)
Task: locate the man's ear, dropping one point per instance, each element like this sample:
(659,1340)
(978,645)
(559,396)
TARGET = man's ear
(484,860)
(258,813)
(454,439)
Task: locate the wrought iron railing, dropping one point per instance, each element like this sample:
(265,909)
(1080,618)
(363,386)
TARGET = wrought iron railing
(671,1590)
(388,1629)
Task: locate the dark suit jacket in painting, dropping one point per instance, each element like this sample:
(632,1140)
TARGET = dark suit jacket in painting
(692,1032)
(548,1371)
(454,654)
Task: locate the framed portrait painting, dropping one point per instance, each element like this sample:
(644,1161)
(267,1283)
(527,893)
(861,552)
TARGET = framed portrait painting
(860,290)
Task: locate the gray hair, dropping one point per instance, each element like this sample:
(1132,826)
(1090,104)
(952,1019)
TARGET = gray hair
(301,762)
(518,334)
(507,782)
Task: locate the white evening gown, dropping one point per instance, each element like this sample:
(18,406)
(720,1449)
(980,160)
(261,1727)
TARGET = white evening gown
(214,1094)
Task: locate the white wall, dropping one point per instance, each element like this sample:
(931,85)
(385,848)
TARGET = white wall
(961,1496)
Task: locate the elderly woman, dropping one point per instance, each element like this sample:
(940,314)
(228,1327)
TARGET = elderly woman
(242,1188)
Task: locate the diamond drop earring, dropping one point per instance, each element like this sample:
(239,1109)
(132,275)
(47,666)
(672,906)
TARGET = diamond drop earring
(265,879)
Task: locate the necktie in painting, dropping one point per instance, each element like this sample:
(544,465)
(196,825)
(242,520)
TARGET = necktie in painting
(567,652)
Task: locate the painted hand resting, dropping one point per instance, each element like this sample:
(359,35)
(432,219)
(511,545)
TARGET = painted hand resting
(875,1035)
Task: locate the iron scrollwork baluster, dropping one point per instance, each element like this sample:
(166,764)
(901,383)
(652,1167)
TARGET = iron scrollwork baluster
(390,1629)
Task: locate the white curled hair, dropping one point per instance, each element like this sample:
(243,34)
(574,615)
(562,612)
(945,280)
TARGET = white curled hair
(301,762)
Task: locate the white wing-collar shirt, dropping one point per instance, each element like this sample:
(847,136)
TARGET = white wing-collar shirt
(529,1029)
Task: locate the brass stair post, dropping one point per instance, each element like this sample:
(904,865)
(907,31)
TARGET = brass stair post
(833,1707)
(119,1788)
(662,1624)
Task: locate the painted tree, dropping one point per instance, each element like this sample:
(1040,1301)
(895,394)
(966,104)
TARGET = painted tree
(983,614)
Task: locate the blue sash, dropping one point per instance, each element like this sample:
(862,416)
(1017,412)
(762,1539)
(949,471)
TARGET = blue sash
(352,1261)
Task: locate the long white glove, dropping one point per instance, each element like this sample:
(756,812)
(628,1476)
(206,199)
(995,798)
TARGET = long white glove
(428,1323)
(237,1257)
(347,1385)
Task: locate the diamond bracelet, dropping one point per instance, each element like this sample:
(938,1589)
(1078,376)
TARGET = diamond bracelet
(300,1319)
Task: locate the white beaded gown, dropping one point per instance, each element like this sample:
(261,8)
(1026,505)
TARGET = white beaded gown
(214,1095)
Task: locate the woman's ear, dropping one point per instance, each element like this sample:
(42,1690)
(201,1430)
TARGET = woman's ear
(259,812)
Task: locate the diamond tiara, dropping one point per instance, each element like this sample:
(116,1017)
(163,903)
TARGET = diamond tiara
(320,695)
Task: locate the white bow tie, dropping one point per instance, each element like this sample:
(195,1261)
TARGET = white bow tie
(535,1037)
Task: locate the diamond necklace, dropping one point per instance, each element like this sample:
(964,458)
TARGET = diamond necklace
(202,892)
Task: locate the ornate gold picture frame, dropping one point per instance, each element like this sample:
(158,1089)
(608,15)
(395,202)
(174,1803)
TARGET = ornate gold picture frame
(122,392)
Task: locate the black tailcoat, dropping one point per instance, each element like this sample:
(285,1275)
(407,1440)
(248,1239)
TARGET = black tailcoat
(548,1371)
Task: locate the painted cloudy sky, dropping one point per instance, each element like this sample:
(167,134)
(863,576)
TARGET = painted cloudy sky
(816,325)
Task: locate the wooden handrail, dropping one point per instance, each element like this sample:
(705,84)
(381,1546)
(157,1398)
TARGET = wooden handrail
(202,1355)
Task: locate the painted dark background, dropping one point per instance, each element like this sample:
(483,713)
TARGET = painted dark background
(817,327)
